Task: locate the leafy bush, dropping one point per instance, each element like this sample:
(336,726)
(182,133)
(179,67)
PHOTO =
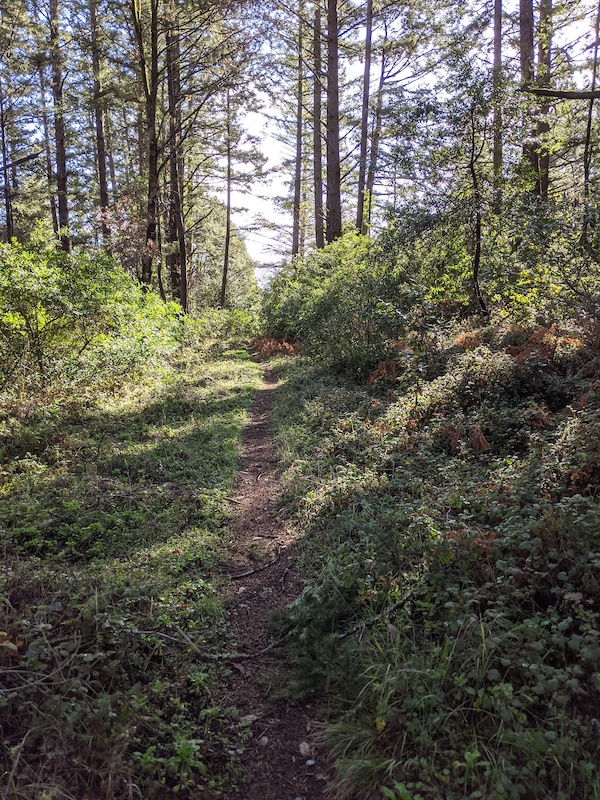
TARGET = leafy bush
(60,312)
(343,303)
(453,619)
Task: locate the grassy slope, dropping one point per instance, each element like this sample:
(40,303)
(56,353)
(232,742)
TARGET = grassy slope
(453,531)
(111,508)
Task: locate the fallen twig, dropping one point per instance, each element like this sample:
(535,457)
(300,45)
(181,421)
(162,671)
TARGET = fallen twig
(212,656)
(283,577)
(258,569)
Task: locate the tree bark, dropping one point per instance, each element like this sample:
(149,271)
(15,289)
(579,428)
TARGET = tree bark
(99,125)
(334,202)
(526,58)
(543,81)
(299,134)
(317,140)
(227,206)
(48,149)
(478,300)
(6,169)
(497,121)
(364,125)
(150,80)
(176,257)
(566,94)
(110,153)
(375,138)
(59,128)
(587,154)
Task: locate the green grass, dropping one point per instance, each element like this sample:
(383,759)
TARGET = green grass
(112,506)
(452,625)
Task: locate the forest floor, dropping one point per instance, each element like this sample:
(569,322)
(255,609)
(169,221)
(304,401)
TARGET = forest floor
(280,761)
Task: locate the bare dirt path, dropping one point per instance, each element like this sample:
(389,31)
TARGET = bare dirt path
(277,763)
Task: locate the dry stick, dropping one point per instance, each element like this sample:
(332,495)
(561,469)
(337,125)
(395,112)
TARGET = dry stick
(367,623)
(258,569)
(212,656)
(283,577)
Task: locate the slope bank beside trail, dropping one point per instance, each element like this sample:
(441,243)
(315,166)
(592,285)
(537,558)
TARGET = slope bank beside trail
(451,530)
(279,760)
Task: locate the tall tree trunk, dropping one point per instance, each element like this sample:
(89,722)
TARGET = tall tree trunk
(589,215)
(587,155)
(497,121)
(8,208)
(99,124)
(364,125)
(526,58)
(227,206)
(176,257)
(317,133)
(375,138)
(59,128)
(299,134)
(543,81)
(150,80)
(110,153)
(478,301)
(334,201)
(48,149)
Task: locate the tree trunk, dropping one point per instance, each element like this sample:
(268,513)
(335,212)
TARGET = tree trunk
(589,213)
(587,155)
(497,121)
(364,126)
(334,202)
(317,143)
(48,149)
(176,257)
(299,133)
(478,301)
(375,138)
(99,125)
(526,62)
(110,153)
(59,128)
(227,207)
(543,81)
(149,78)
(6,169)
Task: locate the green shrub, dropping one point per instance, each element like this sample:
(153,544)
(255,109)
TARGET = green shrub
(56,307)
(343,303)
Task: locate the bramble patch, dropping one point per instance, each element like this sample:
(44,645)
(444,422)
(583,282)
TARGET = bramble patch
(386,372)
(274,347)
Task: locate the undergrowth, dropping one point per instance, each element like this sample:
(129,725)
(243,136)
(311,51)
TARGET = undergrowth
(112,502)
(453,531)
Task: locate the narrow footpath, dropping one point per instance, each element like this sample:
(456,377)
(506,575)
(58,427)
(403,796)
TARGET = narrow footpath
(279,761)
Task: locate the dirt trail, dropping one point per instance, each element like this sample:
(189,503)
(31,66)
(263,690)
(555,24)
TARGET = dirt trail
(276,762)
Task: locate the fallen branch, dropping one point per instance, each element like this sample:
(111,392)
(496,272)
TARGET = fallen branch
(212,656)
(369,622)
(258,569)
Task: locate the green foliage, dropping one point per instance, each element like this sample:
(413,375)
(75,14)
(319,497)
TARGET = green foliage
(75,314)
(342,303)
(453,620)
(112,504)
